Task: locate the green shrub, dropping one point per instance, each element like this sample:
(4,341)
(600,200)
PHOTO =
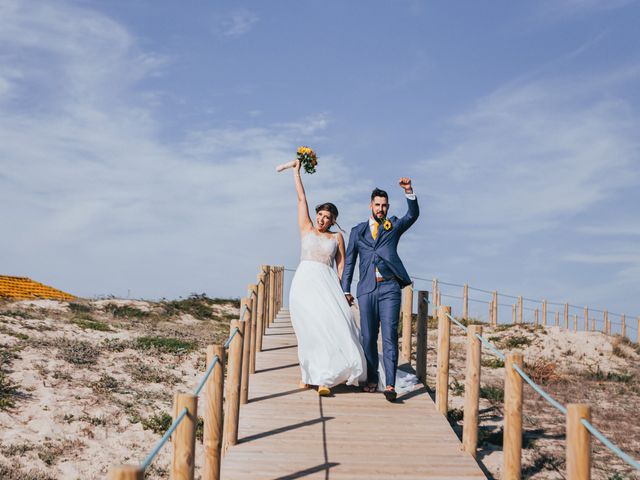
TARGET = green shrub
(79,307)
(492,363)
(165,344)
(492,393)
(78,352)
(92,324)
(125,311)
(517,341)
(8,392)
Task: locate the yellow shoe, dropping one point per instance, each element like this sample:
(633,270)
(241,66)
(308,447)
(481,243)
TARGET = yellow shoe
(324,391)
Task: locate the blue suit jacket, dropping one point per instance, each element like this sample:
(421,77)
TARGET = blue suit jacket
(381,252)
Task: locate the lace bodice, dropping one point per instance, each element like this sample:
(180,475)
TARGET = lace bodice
(319,248)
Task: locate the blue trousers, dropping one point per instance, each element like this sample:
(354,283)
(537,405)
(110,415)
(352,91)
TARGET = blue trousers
(381,309)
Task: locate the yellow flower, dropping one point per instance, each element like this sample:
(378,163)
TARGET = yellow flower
(387,224)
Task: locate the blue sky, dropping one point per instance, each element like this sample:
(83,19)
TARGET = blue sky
(138,140)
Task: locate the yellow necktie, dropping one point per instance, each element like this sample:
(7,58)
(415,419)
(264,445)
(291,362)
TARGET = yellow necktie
(374,232)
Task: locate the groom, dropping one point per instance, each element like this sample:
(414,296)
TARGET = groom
(382,277)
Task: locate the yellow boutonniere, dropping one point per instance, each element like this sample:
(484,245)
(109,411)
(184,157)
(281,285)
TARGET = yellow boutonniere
(387,224)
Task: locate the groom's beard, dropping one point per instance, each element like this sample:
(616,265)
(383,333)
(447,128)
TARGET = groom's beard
(375,217)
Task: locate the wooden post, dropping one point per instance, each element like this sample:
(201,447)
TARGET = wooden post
(234,373)
(491,312)
(578,442)
(575,322)
(272,295)
(246,352)
(566,316)
(557,319)
(586,319)
(407,317)
(495,308)
(536,313)
(623,326)
(421,336)
(472,391)
(213,416)
(605,322)
(512,418)
(434,290)
(593,324)
(442,385)
(126,472)
(544,313)
(638,332)
(253,294)
(261,310)
(184,437)
(513,314)
(465,302)
(520,309)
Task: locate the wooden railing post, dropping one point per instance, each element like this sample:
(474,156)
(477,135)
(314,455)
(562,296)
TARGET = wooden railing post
(586,319)
(282,286)
(638,331)
(465,302)
(544,313)
(184,437)
(578,442)
(575,322)
(407,317)
(472,391)
(535,317)
(557,321)
(126,472)
(442,385)
(605,322)
(253,294)
(520,318)
(246,352)
(234,373)
(495,308)
(623,326)
(434,290)
(593,324)
(512,441)
(213,416)
(262,306)
(513,314)
(272,295)
(421,336)
(566,316)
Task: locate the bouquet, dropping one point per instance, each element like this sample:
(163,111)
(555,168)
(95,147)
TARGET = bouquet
(308,160)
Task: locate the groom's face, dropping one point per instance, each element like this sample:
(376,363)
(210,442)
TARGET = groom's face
(379,207)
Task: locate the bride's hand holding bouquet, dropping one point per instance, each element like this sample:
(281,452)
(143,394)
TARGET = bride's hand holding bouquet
(306,157)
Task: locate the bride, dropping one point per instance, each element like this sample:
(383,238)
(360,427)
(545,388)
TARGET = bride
(329,347)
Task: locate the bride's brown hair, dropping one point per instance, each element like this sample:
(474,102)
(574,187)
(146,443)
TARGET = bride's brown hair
(333,210)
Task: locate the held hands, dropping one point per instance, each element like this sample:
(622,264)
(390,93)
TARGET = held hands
(405,183)
(349,298)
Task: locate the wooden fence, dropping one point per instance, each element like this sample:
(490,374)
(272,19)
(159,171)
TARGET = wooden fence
(223,398)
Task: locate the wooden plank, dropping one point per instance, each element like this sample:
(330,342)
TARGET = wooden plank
(286,432)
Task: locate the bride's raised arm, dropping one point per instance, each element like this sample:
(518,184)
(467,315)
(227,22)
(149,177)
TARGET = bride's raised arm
(304,221)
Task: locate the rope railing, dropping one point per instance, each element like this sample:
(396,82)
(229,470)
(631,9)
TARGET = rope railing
(510,464)
(257,312)
(564,315)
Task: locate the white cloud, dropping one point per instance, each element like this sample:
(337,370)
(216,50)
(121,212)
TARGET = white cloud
(236,23)
(528,156)
(95,201)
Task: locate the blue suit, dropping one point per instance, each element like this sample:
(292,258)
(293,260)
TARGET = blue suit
(379,301)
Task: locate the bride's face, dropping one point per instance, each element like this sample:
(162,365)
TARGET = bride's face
(323,220)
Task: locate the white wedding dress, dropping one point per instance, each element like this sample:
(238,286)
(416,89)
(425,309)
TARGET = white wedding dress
(329,346)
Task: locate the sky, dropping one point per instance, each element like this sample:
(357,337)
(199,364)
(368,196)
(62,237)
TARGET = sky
(139,139)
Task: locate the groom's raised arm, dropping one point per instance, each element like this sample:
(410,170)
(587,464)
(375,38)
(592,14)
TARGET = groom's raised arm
(414,211)
(350,262)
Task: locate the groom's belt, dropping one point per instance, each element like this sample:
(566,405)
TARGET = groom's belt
(380,279)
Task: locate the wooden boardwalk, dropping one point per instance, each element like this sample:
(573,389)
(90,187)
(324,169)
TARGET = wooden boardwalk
(289,433)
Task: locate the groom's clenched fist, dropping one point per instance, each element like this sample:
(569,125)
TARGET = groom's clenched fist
(405,182)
